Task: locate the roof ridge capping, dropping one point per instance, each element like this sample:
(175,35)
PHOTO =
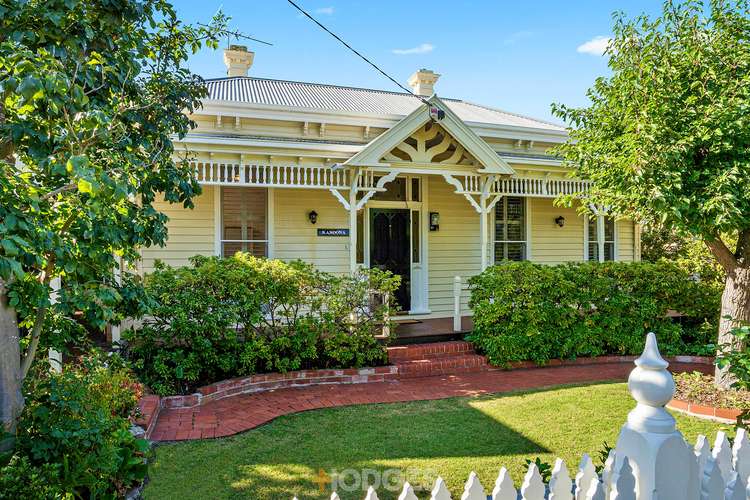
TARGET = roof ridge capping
(317,84)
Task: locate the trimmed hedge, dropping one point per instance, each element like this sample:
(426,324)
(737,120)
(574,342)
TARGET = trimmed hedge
(534,312)
(241,315)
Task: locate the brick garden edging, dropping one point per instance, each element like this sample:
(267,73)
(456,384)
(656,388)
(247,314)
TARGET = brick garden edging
(270,381)
(599,360)
(723,415)
(149,406)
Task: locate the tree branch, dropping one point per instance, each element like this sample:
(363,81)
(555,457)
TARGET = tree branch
(743,246)
(61,189)
(36,330)
(725,256)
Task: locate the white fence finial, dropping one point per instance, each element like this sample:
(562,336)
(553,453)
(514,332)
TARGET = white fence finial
(652,386)
(665,464)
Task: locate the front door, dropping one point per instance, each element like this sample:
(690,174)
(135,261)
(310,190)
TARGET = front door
(390,248)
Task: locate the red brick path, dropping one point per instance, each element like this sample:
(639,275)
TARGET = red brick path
(239,413)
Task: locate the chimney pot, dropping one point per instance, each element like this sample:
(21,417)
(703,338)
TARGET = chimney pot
(238,60)
(423,81)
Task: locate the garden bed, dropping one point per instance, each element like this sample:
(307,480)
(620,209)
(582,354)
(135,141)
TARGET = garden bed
(697,395)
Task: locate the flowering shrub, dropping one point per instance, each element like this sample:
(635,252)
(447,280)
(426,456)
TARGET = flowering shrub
(525,311)
(222,318)
(73,436)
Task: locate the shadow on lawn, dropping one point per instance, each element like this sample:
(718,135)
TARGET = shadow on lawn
(450,436)
(412,440)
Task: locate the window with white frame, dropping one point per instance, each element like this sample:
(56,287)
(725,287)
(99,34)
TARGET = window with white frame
(600,239)
(510,229)
(243,221)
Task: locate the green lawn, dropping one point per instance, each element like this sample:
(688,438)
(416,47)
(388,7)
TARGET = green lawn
(450,437)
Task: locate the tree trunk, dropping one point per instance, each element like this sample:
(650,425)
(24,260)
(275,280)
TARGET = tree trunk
(735,310)
(11,399)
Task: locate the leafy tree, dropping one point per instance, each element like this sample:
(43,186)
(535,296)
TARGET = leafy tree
(666,138)
(91,95)
(690,253)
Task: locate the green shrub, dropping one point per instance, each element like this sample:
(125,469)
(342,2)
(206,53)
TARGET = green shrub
(73,435)
(735,357)
(20,479)
(222,318)
(525,311)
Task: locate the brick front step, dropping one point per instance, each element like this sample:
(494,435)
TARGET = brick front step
(429,351)
(464,363)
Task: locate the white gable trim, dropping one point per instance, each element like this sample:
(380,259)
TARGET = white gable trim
(372,153)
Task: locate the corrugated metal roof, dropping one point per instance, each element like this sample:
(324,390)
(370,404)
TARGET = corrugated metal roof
(351,99)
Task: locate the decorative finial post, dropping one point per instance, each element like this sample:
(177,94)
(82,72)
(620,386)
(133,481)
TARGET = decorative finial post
(657,452)
(652,386)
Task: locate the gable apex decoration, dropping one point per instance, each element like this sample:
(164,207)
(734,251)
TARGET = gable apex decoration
(381,146)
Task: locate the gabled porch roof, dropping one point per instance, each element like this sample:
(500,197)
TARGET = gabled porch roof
(372,154)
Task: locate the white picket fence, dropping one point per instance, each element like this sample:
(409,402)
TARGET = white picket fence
(651,461)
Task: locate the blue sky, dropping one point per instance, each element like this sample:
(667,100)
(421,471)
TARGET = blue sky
(515,55)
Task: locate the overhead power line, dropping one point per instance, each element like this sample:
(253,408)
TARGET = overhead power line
(368,61)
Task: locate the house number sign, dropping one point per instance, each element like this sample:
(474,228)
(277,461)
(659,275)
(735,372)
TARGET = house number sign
(333,232)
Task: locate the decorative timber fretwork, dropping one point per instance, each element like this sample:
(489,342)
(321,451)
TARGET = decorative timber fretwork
(532,187)
(430,144)
(441,141)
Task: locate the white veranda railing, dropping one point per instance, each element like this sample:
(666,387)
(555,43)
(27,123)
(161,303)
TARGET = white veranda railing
(652,460)
(291,175)
(533,187)
(227,173)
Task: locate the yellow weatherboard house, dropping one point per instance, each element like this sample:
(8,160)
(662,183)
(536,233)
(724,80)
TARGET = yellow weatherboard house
(427,187)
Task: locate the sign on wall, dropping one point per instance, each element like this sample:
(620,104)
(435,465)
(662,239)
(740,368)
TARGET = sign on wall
(333,232)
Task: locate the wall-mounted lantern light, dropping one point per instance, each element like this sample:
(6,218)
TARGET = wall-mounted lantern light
(313,217)
(560,221)
(434,221)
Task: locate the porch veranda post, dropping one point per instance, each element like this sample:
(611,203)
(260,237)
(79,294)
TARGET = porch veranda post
(485,207)
(353,221)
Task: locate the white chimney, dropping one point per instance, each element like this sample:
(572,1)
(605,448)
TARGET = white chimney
(238,60)
(422,82)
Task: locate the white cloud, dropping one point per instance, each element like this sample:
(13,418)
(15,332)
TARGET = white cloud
(596,46)
(423,48)
(328,11)
(516,37)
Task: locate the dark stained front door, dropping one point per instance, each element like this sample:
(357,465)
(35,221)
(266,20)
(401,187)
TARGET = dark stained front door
(389,248)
